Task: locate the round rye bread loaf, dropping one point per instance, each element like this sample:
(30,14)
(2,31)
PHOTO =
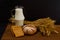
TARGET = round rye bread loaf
(29,29)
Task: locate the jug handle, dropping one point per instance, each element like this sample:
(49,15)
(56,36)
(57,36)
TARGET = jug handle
(12,18)
(14,9)
(12,15)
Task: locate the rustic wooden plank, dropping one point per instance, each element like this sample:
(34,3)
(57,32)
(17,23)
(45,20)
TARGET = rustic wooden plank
(9,36)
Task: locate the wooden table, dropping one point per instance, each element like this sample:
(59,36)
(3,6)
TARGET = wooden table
(9,36)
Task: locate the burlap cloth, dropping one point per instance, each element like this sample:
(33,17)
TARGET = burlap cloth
(7,35)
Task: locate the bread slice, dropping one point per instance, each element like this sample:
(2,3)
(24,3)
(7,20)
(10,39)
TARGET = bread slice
(17,30)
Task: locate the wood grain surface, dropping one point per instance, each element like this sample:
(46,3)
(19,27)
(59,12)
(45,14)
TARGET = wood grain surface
(7,35)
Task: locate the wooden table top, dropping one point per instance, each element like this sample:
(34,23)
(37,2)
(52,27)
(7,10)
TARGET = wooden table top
(9,36)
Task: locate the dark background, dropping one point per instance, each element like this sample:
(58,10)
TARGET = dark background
(33,9)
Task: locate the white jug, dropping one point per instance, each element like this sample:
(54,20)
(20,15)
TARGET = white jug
(19,16)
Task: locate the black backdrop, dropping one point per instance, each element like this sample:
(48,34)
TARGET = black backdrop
(33,9)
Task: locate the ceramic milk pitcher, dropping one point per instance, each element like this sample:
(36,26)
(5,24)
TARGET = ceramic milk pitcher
(19,16)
